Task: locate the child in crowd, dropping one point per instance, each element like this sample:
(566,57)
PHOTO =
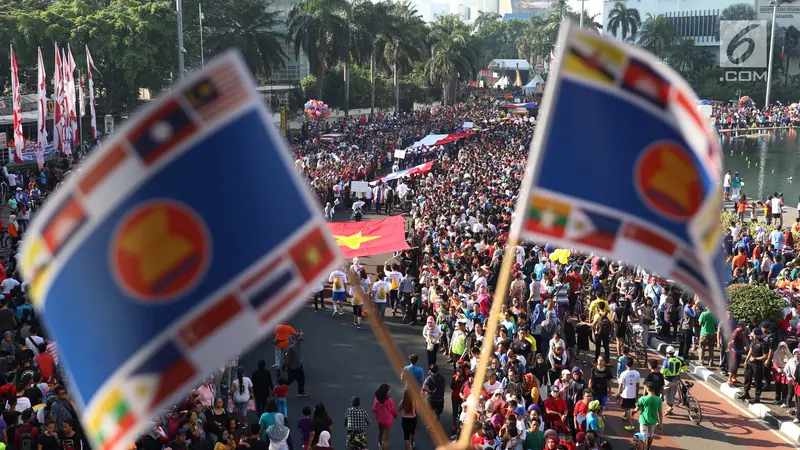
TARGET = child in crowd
(304,425)
(280,395)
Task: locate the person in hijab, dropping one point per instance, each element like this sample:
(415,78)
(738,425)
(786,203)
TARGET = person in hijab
(278,434)
(323,442)
(779,363)
(789,371)
(432,334)
(7,344)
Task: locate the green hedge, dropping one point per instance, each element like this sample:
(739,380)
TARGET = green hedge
(755,302)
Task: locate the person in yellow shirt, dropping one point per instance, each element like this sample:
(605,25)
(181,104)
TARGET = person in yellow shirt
(594,307)
(796,226)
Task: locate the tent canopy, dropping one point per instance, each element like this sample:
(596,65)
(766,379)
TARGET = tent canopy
(531,86)
(509,64)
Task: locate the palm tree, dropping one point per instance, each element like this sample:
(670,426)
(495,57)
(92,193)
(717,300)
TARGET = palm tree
(248,25)
(454,52)
(684,55)
(405,44)
(790,49)
(318,28)
(657,34)
(739,11)
(536,43)
(484,18)
(622,18)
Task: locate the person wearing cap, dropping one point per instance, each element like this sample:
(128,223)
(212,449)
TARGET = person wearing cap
(754,366)
(555,409)
(650,409)
(594,419)
(672,369)
(458,341)
(771,343)
(639,442)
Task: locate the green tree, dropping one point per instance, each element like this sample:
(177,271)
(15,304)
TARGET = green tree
(318,28)
(133,43)
(684,55)
(535,44)
(624,19)
(405,44)
(657,34)
(739,11)
(454,53)
(248,25)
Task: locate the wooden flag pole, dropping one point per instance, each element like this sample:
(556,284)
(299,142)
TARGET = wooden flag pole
(490,328)
(396,360)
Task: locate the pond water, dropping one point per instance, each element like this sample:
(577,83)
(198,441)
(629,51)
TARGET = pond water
(767,163)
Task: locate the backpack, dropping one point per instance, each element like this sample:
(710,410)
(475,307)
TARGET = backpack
(395,285)
(623,311)
(337,283)
(382,293)
(604,326)
(26,440)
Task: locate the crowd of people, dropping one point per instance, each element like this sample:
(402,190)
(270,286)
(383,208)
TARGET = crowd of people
(730,116)
(552,376)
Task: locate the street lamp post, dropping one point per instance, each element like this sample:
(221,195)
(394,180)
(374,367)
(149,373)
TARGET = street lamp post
(580,23)
(179,8)
(775,4)
(202,54)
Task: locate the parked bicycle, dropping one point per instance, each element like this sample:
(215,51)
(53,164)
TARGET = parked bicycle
(689,402)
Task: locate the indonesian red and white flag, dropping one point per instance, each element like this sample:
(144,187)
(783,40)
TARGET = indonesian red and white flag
(90,68)
(41,138)
(19,139)
(58,115)
(70,86)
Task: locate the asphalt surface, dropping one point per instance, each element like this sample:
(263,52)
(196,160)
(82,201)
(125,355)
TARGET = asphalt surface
(341,362)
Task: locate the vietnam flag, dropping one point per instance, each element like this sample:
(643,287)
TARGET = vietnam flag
(371,237)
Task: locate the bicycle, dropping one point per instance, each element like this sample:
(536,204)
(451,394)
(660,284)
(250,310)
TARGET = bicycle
(633,340)
(689,402)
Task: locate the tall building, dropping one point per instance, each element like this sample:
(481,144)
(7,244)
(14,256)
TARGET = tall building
(294,69)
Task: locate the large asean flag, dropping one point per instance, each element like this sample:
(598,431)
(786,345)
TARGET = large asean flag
(372,237)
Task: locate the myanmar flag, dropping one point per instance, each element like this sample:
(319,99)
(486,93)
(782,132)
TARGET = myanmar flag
(547,216)
(110,420)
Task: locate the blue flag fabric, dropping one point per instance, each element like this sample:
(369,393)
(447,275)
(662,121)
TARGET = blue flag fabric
(143,265)
(644,157)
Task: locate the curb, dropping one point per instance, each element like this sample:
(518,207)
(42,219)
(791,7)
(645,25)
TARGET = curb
(787,427)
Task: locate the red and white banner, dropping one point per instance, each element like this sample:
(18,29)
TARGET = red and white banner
(421,169)
(89,69)
(19,139)
(439,139)
(41,122)
(69,83)
(58,114)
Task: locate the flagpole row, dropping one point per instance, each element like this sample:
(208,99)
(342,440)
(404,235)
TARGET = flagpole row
(489,330)
(396,360)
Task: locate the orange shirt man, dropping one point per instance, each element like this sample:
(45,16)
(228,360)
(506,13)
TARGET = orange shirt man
(740,260)
(283,333)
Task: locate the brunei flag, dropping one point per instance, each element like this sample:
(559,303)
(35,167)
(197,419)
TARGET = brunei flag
(547,216)
(594,59)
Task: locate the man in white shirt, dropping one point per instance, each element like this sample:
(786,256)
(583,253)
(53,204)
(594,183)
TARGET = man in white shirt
(9,284)
(11,178)
(381,294)
(628,391)
(726,185)
(393,277)
(338,281)
(480,278)
(777,210)
(402,191)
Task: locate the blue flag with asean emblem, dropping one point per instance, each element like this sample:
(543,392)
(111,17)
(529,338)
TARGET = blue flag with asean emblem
(185,239)
(640,181)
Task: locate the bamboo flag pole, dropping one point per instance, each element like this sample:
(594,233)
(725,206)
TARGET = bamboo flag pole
(500,294)
(396,360)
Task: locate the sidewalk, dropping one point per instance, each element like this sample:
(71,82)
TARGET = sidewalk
(774,415)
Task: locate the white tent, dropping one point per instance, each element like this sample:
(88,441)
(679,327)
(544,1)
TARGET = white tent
(530,88)
(502,83)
